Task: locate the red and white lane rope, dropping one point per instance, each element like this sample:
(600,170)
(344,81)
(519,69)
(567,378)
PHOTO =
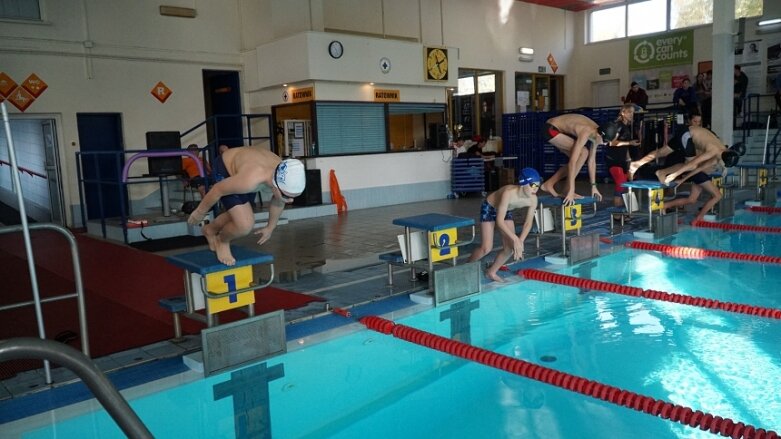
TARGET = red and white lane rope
(736,227)
(641,403)
(680,252)
(589,284)
(765,209)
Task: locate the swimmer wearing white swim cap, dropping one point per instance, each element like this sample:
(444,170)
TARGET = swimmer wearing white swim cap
(238,172)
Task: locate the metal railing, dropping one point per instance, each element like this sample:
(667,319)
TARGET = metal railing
(105,392)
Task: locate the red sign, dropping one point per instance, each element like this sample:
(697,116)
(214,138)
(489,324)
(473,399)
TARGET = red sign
(161,92)
(552,62)
(21,98)
(7,85)
(34,85)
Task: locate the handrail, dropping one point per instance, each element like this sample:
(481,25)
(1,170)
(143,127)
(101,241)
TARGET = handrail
(25,170)
(64,355)
(76,278)
(140,155)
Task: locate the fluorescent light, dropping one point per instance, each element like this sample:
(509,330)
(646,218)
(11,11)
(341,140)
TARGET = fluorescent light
(526,51)
(769,22)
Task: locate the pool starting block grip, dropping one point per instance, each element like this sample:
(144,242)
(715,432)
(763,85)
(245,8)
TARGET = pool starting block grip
(222,286)
(556,201)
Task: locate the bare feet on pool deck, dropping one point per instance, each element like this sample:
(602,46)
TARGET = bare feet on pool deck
(549,189)
(494,277)
(224,254)
(211,237)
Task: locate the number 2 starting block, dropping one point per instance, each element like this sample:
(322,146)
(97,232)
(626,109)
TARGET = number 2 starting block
(215,287)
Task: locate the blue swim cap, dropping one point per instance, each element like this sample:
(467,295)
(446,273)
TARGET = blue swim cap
(529,176)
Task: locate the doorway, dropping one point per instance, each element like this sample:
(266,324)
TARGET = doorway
(477,102)
(222,101)
(102,159)
(538,92)
(605,93)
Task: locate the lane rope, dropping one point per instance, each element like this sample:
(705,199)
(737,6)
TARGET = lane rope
(589,284)
(738,227)
(764,209)
(625,398)
(681,252)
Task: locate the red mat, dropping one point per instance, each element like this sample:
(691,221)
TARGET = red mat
(122,288)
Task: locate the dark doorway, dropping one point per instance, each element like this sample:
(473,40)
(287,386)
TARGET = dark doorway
(100,137)
(222,96)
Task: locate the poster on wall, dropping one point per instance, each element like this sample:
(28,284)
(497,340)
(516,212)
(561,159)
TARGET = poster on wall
(660,62)
(749,57)
(773,62)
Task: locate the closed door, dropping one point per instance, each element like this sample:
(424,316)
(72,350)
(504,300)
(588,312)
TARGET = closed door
(605,93)
(102,147)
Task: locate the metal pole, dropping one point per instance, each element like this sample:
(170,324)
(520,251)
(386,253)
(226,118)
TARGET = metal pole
(767,132)
(26,234)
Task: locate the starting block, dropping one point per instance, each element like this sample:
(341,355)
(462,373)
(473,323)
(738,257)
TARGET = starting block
(571,220)
(215,287)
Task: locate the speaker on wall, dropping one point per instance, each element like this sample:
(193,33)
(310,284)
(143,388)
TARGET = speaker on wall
(164,140)
(313,193)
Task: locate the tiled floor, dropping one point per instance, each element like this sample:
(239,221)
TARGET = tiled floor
(334,257)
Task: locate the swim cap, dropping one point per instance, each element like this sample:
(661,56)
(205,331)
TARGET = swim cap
(730,158)
(608,131)
(290,178)
(739,148)
(529,176)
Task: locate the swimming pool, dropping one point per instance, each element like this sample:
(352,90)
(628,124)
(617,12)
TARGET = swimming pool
(367,383)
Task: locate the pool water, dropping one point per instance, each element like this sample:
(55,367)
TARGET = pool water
(370,384)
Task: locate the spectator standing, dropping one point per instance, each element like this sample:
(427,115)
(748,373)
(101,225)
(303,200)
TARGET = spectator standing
(741,86)
(637,96)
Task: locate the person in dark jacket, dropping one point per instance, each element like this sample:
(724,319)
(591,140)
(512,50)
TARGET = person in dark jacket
(636,96)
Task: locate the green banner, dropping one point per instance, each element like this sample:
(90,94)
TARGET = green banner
(668,49)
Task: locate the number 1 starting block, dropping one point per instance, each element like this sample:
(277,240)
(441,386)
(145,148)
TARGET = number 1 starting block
(216,287)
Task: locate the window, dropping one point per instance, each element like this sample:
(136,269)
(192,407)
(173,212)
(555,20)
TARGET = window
(353,128)
(639,17)
(20,9)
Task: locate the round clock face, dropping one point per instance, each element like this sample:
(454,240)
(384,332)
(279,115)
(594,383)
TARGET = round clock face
(335,49)
(436,64)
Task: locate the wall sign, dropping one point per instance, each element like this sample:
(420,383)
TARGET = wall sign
(302,94)
(21,96)
(382,95)
(661,50)
(161,92)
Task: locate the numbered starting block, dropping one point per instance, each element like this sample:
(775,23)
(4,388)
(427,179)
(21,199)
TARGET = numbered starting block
(571,220)
(215,287)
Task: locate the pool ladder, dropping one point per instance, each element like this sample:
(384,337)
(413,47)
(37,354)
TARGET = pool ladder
(114,403)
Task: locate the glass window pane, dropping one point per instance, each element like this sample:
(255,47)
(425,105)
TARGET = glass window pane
(685,13)
(466,86)
(748,8)
(486,83)
(20,9)
(607,24)
(647,17)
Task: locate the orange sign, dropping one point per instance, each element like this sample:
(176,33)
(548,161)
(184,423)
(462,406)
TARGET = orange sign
(21,98)
(7,85)
(161,92)
(34,85)
(552,62)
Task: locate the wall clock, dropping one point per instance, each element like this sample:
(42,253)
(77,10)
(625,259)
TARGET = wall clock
(436,64)
(335,49)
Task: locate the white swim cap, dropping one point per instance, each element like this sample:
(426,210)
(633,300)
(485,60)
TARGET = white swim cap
(290,178)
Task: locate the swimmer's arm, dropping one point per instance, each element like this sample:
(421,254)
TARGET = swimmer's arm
(501,212)
(580,143)
(706,167)
(592,173)
(527,224)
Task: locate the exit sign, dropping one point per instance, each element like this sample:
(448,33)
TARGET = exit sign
(542,69)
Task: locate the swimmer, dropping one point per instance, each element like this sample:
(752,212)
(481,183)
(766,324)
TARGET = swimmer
(238,172)
(500,204)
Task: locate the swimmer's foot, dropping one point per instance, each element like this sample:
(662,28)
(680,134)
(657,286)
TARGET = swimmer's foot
(549,189)
(494,277)
(224,254)
(211,236)
(660,176)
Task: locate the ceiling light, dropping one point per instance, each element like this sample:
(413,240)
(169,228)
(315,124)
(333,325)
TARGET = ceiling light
(769,22)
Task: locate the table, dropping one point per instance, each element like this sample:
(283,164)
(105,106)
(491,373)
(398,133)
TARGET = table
(556,201)
(651,186)
(432,222)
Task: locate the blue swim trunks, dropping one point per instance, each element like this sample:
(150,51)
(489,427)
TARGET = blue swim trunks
(488,213)
(229,201)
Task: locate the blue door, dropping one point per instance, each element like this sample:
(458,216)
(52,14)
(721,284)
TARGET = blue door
(222,96)
(102,159)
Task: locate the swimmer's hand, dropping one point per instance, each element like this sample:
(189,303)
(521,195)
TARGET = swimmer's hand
(569,200)
(596,194)
(265,234)
(197,216)
(518,250)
